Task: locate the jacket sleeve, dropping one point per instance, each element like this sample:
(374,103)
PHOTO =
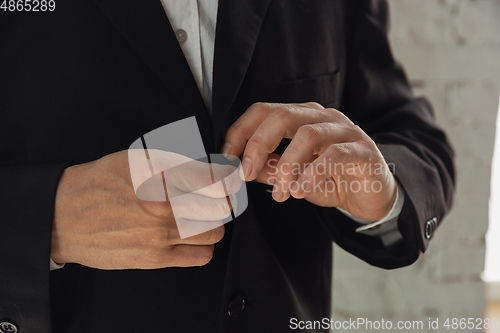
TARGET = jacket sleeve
(378,98)
(27,196)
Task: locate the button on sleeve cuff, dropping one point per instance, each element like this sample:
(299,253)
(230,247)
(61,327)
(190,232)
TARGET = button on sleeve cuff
(54,266)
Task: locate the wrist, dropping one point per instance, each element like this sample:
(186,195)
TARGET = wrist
(58,252)
(392,200)
(372,206)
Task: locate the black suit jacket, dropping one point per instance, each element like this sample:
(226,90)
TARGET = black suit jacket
(89,78)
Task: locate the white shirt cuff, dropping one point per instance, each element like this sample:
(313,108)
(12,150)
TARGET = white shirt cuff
(54,266)
(386,228)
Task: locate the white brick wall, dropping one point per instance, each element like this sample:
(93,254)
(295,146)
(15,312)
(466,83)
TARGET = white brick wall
(451,51)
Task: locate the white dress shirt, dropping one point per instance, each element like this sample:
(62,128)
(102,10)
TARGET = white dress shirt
(193,22)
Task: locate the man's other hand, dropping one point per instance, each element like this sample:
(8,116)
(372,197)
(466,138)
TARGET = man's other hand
(330,161)
(100,222)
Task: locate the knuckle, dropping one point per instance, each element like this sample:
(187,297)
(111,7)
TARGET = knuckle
(282,116)
(353,132)
(204,255)
(236,131)
(164,208)
(343,118)
(282,112)
(319,168)
(352,126)
(255,143)
(342,150)
(309,132)
(217,209)
(158,238)
(157,208)
(286,165)
(338,113)
(368,143)
(223,208)
(314,105)
(291,152)
(258,107)
(217,234)
(335,112)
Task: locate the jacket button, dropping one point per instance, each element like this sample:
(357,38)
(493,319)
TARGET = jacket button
(236,306)
(430,226)
(6,327)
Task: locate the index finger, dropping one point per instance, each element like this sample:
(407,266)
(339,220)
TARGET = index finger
(244,127)
(281,121)
(242,130)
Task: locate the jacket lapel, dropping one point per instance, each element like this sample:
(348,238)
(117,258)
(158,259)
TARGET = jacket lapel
(238,26)
(145,26)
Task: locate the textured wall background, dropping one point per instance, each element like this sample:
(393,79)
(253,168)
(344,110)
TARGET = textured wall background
(451,52)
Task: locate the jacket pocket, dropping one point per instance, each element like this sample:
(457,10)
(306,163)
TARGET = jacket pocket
(323,89)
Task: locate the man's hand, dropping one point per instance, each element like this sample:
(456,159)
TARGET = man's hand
(99,221)
(330,161)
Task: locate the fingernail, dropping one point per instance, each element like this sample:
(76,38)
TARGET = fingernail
(277,190)
(246,168)
(226,149)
